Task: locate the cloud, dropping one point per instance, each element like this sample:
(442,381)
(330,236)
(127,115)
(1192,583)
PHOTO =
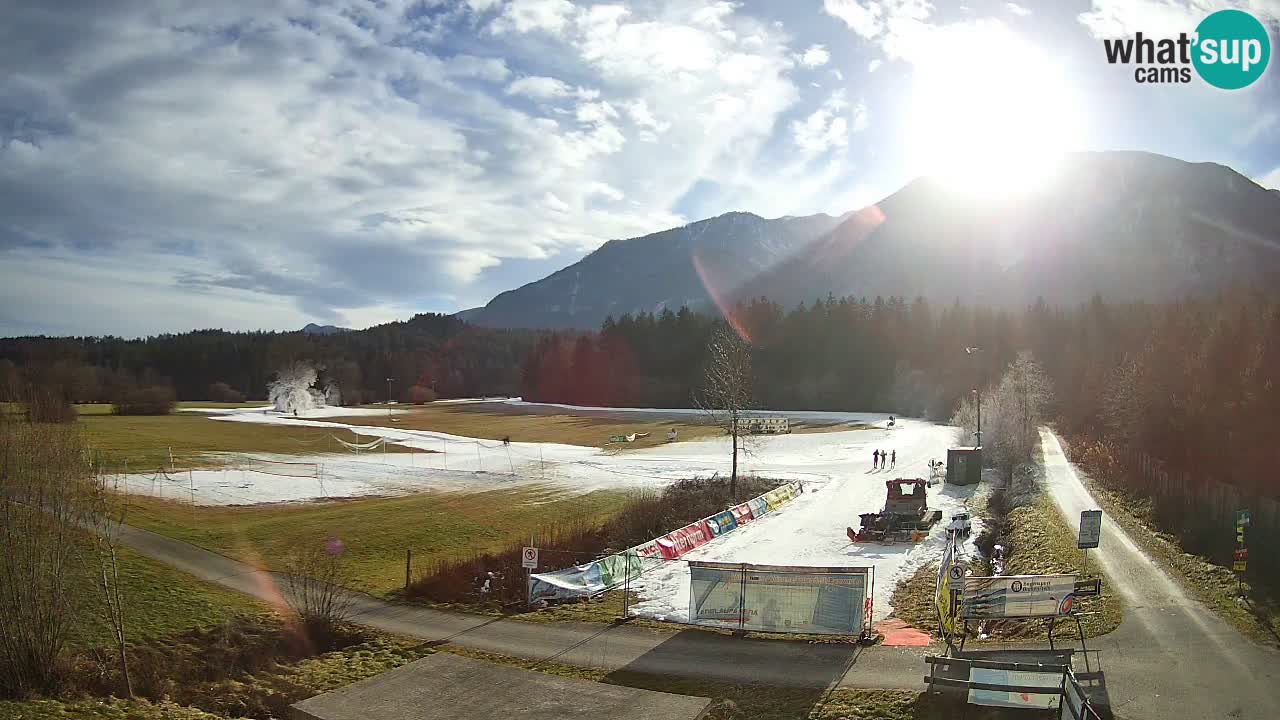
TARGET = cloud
(815,56)
(539,88)
(824,129)
(874,65)
(1162,18)
(1016,9)
(861,118)
(865,20)
(523,16)
(360,160)
(1270,180)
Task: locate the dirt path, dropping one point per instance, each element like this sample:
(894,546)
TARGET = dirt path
(1197,666)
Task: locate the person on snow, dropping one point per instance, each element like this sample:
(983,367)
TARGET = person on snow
(893,459)
(875,460)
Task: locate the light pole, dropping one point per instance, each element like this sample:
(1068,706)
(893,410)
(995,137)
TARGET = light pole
(977,391)
(389,381)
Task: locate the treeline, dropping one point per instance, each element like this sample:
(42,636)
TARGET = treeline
(432,351)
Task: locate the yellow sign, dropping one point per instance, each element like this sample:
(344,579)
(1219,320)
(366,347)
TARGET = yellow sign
(1239,565)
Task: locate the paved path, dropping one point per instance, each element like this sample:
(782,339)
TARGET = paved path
(1170,658)
(1196,665)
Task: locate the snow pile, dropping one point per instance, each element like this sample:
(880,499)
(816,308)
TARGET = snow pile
(294,391)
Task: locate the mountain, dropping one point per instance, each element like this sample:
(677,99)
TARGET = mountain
(314,329)
(469,314)
(667,269)
(1126,225)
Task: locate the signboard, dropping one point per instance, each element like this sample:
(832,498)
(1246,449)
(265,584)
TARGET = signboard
(1240,566)
(768,598)
(1242,518)
(950,582)
(1241,554)
(1090,529)
(1047,700)
(1017,596)
(529,558)
(1088,588)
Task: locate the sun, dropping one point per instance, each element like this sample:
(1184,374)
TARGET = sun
(990,113)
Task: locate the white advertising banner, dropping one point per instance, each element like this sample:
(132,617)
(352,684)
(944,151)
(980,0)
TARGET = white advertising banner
(1017,596)
(1047,700)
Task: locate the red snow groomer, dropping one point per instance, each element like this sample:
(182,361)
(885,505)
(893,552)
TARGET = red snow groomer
(906,516)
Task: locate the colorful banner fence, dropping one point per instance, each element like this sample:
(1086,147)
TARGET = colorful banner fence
(609,572)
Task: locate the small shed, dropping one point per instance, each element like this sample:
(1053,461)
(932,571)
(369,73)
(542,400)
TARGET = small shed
(442,686)
(964,465)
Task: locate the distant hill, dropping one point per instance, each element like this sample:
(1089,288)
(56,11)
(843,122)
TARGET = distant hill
(1126,225)
(314,329)
(468,314)
(667,269)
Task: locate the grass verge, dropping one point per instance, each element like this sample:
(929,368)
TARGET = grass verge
(375,532)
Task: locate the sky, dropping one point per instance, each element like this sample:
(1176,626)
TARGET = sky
(247,164)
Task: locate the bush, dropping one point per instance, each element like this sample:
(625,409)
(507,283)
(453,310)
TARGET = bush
(569,541)
(224,393)
(419,394)
(45,405)
(155,400)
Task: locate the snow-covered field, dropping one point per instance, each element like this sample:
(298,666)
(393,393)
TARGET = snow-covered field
(835,468)
(810,530)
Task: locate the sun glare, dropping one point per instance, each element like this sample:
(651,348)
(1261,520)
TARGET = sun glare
(990,114)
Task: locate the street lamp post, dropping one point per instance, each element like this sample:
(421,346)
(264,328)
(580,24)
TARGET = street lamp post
(977,391)
(389,380)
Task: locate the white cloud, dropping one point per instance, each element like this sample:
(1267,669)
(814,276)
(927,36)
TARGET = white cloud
(1016,9)
(874,65)
(482,68)
(864,19)
(861,117)
(606,190)
(1270,180)
(539,88)
(825,128)
(815,56)
(1162,18)
(523,16)
(554,202)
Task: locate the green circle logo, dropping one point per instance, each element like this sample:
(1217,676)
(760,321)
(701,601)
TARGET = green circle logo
(1232,49)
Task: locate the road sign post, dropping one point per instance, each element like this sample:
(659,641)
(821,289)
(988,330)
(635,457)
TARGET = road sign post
(1240,558)
(529,561)
(1090,530)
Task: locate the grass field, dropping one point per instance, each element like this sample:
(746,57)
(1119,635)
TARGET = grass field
(145,441)
(591,429)
(161,602)
(375,532)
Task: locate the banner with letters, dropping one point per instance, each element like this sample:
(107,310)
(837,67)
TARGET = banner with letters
(1017,596)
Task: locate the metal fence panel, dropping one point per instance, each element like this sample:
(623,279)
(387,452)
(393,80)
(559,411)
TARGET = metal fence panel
(770,598)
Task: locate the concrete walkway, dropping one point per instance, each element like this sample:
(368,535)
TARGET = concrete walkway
(1171,657)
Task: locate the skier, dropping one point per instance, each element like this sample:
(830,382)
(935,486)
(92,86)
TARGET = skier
(875,460)
(893,459)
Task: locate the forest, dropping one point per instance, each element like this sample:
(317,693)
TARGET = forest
(1194,383)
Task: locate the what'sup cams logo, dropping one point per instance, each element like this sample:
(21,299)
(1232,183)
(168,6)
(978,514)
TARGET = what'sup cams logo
(1228,50)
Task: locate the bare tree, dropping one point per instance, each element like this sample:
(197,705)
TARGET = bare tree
(108,523)
(726,393)
(315,575)
(1011,414)
(43,511)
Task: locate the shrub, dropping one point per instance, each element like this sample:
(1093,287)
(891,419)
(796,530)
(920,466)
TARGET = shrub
(224,393)
(45,405)
(155,400)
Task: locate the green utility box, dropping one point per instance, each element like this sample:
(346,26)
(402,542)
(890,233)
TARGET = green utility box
(964,465)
